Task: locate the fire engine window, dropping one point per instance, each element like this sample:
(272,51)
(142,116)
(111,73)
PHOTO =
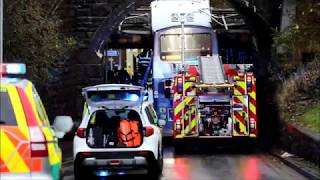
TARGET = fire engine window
(195,45)
(7,116)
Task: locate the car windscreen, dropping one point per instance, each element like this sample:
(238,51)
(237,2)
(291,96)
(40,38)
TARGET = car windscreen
(114,95)
(7,116)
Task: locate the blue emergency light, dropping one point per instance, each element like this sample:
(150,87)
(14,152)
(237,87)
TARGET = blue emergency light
(13,69)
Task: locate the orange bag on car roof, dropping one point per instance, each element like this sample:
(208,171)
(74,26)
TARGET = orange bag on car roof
(128,133)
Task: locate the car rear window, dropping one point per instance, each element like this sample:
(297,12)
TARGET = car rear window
(111,129)
(128,95)
(7,116)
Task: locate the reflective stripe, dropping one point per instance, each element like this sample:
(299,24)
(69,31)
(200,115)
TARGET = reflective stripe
(54,152)
(238,117)
(29,112)
(29,93)
(240,88)
(12,159)
(191,126)
(252,107)
(181,105)
(3,167)
(18,110)
(36,164)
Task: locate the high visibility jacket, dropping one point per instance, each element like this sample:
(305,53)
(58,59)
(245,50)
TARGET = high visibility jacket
(129,134)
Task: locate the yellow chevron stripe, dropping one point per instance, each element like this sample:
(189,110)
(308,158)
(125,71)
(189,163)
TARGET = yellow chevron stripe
(252,108)
(252,94)
(14,162)
(181,105)
(193,120)
(178,108)
(193,123)
(193,110)
(188,99)
(179,136)
(236,92)
(234,132)
(187,129)
(187,85)
(240,84)
(241,126)
(241,98)
(18,111)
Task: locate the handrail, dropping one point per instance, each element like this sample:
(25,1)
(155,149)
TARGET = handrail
(147,72)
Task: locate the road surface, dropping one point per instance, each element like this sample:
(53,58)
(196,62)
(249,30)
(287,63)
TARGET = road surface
(216,166)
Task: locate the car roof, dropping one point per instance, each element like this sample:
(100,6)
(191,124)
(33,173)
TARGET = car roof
(21,83)
(113,87)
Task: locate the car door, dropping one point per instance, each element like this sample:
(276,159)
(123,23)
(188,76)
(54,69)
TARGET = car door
(54,151)
(152,118)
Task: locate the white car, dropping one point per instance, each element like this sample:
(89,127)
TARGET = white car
(103,144)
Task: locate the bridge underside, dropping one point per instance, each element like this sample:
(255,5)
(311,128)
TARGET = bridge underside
(115,23)
(101,24)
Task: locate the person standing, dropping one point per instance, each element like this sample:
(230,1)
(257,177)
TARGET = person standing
(123,76)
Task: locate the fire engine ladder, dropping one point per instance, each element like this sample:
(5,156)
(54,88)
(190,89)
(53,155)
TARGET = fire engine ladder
(211,70)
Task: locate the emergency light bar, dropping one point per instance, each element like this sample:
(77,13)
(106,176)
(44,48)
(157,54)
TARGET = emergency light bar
(13,69)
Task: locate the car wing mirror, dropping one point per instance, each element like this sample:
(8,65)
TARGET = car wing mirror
(62,125)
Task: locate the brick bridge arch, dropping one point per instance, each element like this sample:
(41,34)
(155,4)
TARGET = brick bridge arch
(94,21)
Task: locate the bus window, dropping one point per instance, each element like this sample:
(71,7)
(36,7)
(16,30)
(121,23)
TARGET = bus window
(195,45)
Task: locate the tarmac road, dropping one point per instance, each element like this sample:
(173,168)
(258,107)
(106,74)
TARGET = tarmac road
(216,166)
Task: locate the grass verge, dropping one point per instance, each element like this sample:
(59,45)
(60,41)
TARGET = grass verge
(311,118)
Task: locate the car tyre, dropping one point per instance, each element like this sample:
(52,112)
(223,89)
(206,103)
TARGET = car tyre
(156,171)
(79,172)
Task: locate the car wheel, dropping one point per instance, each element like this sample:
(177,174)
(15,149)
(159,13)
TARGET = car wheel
(160,159)
(79,172)
(156,171)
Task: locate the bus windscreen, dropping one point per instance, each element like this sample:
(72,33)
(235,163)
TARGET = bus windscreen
(195,45)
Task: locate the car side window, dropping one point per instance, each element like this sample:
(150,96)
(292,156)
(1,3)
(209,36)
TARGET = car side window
(153,113)
(40,109)
(148,114)
(151,117)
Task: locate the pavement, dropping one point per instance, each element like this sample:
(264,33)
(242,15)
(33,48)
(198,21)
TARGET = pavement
(304,167)
(301,142)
